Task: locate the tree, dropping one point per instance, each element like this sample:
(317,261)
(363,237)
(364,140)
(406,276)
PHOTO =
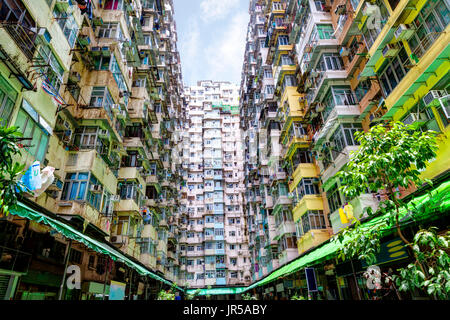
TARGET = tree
(9,170)
(248,296)
(168,294)
(390,157)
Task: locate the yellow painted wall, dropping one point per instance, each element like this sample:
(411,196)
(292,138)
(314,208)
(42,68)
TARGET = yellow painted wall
(303,170)
(312,239)
(308,202)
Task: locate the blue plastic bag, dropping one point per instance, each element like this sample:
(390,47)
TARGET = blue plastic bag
(31,180)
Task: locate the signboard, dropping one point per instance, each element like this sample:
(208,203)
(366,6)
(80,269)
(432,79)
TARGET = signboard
(390,251)
(117,291)
(311,279)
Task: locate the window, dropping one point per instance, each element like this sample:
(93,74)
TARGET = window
(110,30)
(68,25)
(283,40)
(307,186)
(75,186)
(334,198)
(101,98)
(277,6)
(324,31)
(129,191)
(285,59)
(429,23)
(87,138)
(331,61)
(220,273)
(312,219)
(76,256)
(270,89)
(8,97)
(30,124)
(53,70)
(394,71)
(289,81)
(113,5)
(91,261)
(94,198)
(268,74)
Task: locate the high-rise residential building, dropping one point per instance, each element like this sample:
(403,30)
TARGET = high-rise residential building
(96,89)
(219,187)
(213,240)
(314,73)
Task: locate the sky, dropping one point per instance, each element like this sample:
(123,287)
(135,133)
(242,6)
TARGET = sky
(211,39)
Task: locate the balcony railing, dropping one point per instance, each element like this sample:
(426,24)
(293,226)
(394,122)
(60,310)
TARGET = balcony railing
(24,38)
(425,44)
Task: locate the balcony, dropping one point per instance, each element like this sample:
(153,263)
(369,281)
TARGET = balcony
(23,37)
(286,227)
(342,158)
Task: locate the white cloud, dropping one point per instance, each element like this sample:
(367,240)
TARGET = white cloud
(189,49)
(224,56)
(213,10)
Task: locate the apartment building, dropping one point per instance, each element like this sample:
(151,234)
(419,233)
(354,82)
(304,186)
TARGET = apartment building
(96,89)
(213,240)
(314,73)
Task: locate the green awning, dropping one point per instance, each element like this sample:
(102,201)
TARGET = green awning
(216,291)
(429,206)
(67,231)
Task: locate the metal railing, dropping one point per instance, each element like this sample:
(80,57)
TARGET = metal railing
(22,38)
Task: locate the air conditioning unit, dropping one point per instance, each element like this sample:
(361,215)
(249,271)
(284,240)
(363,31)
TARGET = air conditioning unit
(404,32)
(431,98)
(115,198)
(416,119)
(390,50)
(344,52)
(96,188)
(103,133)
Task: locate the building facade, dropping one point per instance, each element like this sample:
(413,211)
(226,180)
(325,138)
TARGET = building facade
(213,240)
(314,73)
(96,89)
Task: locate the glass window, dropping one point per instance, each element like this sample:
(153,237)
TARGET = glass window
(325,31)
(37,146)
(68,25)
(7,99)
(53,71)
(335,200)
(75,186)
(101,98)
